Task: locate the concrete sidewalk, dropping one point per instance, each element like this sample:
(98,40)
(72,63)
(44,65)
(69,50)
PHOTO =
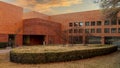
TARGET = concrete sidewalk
(6,50)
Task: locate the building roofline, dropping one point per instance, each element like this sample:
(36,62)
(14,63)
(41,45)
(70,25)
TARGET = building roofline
(76,12)
(41,19)
(11,4)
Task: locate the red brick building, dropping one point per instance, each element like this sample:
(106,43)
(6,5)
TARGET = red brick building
(10,21)
(35,28)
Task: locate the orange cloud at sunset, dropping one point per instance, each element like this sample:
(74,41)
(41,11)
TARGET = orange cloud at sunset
(45,5)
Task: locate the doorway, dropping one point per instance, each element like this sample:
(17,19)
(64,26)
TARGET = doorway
(11,40)
(33,39)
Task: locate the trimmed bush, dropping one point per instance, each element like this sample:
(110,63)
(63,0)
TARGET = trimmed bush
(58,56)
(3,44)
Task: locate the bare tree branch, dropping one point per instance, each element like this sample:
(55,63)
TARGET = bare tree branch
(111,8)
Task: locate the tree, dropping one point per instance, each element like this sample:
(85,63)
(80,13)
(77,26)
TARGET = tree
(63,35)
(111,8)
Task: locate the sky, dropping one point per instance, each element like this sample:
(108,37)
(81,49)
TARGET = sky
(54,7)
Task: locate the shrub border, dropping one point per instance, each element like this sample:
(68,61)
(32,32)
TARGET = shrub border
(35,58)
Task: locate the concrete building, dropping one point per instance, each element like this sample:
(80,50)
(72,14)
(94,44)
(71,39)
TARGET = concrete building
(34,28)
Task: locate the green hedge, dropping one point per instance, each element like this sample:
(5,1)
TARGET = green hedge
(35,58)
(3,44)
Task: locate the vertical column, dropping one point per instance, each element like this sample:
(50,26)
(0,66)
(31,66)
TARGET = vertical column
(18,40)
(84,40)
(46,39)
(103,40)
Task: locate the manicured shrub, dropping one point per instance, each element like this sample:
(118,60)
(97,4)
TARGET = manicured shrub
(67,55)
(3,44)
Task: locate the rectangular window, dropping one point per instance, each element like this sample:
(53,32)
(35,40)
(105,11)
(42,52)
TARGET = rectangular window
(80,23)
(106,22)
(87,23)
(93,23)
(70,24)
(92,30)
(70,30)
(87,31)
(113,30)
(75,30)
(119,21)
(80,30)
(118,30)
(98,30)
(113,22)
(76,24)
(98,23)
(106,30)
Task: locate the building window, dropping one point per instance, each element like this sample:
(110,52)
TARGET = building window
(80,30)
(87,31)
(70,24)
(118,30)
(119,21)
(80,23)
(87,23)
(70,30)
(93,40)
(98,23)
(113,22)
(75,30)
(75,24)
(106,30)
(93,23)
(113,30)
(106,22)
(92,30)
(98,30)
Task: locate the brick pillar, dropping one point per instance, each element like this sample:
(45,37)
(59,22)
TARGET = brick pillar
(84,40)
(103,40)
(19,40)
(46,39)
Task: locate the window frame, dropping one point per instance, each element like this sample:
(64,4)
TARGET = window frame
(107,29)
(93,23)
(98,30)
(112,30)
(99,23)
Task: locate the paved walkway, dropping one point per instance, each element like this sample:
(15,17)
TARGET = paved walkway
(5,50)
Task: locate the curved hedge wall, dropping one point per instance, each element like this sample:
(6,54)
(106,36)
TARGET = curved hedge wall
(47,57)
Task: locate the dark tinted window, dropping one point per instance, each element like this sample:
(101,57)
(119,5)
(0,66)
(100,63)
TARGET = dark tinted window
(119,21)
(98,30)
(87,31)
(113,30)
(87,23)
(76,24)
(80,30)
(106,30)
(70,30)
(113,22)
(118,30)
(98,22)
(93,23)
(70,24)
(106,22)
(92,30)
